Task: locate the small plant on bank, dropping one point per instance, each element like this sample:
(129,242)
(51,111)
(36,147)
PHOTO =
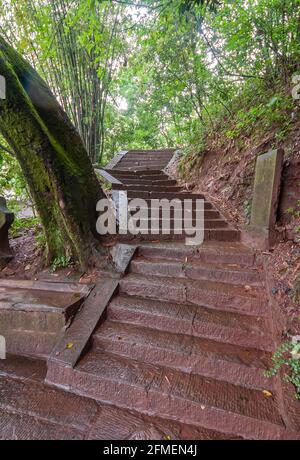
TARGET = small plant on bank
(60,262)
(247,209)
(287,357)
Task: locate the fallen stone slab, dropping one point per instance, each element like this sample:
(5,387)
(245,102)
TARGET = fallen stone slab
(74,340)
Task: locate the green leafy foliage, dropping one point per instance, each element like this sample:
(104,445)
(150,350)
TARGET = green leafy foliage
(20,224)
(157,73)
(60,262)
(287,358)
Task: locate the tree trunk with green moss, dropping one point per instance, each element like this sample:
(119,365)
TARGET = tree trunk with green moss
(52,157)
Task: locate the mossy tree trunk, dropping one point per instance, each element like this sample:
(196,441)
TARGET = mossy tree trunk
(52,157)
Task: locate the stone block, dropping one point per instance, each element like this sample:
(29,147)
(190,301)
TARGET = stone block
(265,197)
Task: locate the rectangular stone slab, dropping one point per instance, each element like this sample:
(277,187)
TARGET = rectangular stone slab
(266,189)
(71,345)
(261,231)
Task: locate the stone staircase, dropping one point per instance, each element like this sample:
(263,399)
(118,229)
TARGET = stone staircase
(31,410)
(179,352)
(188,335)
(143,175)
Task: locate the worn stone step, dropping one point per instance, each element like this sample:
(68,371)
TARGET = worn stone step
(15,426)
(154,175)
(142,238)
(156,155)
(150,202)
(225,273)
(213,234)
(174,395)
(163,182)
(142,179)
(30,409)
(159,152)
(204,293)
(139,166)
(155,163)
(209,213)
(141,170)
(159,223)
(173,226)
(147,188)
(149,151)
(166,194)
(139,179)
(239,330)
(146,163)
(214,253)
(177,351)
(144,156)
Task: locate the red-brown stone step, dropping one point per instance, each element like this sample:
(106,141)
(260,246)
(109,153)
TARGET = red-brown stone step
(168,195)
(159,175)
(211,253)
(197,321)
(151,164)
(161,182)
(145,156)
(140,170)
(196,270)
(152,203)
(171,394)
(136,179)
(167,151)
(15,426)
(147,188)
(226,234)
(55,406)
(182,352)
(209,223)
(219,234)
(211,294)
(30,409)
(209,212)
(149,157)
